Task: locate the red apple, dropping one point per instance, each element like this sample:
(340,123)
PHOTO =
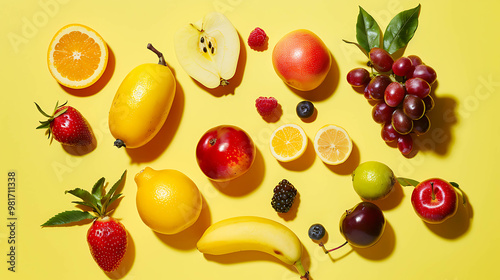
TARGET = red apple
(225,152)
(301,60)
(434,200)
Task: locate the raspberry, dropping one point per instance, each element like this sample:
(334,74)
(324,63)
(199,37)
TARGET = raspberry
(266,105)
(257,38)
(283,197)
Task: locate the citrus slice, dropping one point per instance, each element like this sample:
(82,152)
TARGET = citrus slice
(332,144)
(77,56)
(288,142)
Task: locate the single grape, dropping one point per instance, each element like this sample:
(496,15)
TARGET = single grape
(418,87)
(415,60)
(402,66)
(316,232)
(422,125)
(413,106)
(429,103)
(377,85)
(388,133)
(401,122)
(358,77)
(394,94)
(381,59)
(405,144)
(382,112)
(424,72)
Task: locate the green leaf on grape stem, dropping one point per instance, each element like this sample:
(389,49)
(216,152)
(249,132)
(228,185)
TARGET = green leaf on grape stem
(401,29)
(368,33)
(407,182)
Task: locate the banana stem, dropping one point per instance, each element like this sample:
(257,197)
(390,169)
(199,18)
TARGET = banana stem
(300,268)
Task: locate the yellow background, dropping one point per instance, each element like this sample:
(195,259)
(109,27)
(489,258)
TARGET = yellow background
(460,41)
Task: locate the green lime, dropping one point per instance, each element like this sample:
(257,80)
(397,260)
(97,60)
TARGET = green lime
(373,180)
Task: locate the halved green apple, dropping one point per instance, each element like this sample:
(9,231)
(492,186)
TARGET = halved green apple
(208,50)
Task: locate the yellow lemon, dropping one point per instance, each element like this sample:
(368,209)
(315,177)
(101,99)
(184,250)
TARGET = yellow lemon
(167,200)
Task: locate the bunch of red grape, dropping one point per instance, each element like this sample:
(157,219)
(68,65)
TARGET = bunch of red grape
(400,90)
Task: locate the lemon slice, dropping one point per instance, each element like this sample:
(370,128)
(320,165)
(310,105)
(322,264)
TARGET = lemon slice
(288,142)
(77,56)
(332,144)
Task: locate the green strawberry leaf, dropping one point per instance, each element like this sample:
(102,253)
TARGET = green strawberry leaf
(41,111)
(401,29)
(97,191)
(407,182)
(68,217)
(107,199)
(368,32)
(86,197)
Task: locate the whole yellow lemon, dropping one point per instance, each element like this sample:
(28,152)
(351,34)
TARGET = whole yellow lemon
(167,200)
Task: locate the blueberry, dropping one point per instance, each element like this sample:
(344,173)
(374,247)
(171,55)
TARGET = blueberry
(317,231)
(305,109)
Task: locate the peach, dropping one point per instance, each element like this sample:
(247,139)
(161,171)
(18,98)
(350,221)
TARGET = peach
(301,59)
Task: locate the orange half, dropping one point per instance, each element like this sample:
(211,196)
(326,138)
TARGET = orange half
(332,144)
(77,56)
(288,142)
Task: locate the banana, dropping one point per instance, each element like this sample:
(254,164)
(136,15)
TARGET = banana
(253,233)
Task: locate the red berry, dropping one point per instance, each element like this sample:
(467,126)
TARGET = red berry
(107,239)
(266,105)
(257,38)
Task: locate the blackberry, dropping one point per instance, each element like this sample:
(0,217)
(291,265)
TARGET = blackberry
(283,197)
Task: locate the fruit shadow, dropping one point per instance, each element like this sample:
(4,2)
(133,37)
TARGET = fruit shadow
(100,83)
(257,256)
(304,162)
(443,117)
(235,81)
(392,200)
(187,239)
(154,148)
(457,225)
(247,182)
(127,262)
(383,248)
(348,166)
(81,150)
(326,88)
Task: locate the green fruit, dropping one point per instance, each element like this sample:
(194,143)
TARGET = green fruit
(373,180)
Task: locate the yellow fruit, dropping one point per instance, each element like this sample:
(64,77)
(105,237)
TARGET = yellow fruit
(142,103)
(288,142)
(77,56)
(167,200)
(332,144)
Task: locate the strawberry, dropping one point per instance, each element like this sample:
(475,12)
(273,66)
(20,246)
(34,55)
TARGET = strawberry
(67,126)
(106,237)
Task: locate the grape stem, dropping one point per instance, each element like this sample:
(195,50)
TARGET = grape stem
(331,250)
